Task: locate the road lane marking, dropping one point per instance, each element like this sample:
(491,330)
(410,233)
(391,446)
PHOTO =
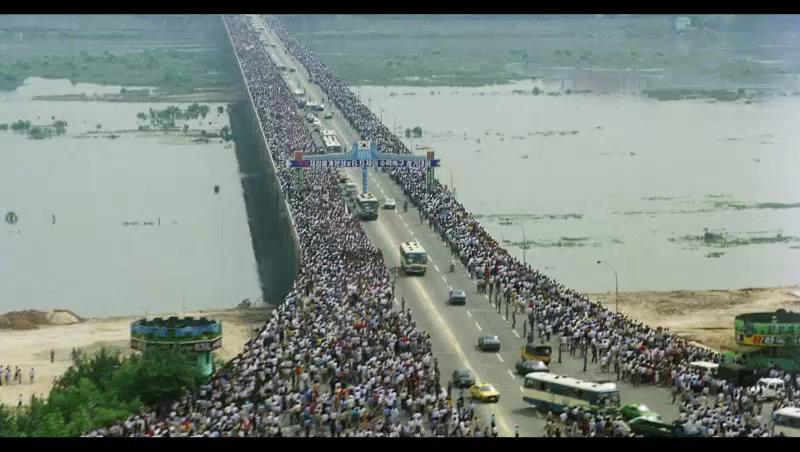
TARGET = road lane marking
(499,357)
(444,279)
(512,374)
(436,267)
(515,333)
(443,328)
(478,326)
(451,288)
(521,390)
(469,314)
(396,303)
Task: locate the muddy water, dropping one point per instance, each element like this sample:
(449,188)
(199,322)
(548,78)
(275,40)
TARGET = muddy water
(635,172)
(118,226)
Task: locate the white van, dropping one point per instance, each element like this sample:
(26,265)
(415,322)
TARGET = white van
(769,388)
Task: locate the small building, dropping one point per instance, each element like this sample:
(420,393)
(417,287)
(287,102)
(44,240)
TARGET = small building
(199,336)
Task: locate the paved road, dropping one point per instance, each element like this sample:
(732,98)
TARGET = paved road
(455,329)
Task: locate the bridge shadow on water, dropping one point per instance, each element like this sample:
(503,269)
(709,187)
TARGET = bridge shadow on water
(270,228)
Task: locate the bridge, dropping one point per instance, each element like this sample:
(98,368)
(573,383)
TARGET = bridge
(454,330)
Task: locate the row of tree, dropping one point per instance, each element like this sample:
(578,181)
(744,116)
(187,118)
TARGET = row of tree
(99,389)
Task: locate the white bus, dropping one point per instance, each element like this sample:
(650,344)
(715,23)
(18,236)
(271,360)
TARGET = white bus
(350,189)
(786,422)
(331,143)
(367,206)
(705,367)
(413,258)
(557,393)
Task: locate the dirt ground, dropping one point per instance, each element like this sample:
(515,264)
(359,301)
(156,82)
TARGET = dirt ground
(703,316)
(32,348)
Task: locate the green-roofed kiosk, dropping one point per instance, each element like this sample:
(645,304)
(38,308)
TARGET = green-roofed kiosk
(200,336)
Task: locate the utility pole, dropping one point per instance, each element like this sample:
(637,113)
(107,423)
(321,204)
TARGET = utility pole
(616,286)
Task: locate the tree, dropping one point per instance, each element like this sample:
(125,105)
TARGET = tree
(158,376)
(408,133)
(220,110)
(99,389)
(417,131)
(186,128)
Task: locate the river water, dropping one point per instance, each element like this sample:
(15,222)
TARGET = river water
(625,178)
(76,243)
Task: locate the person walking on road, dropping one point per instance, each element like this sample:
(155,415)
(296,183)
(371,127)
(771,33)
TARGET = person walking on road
(52,356)
(402,303)
(32,374)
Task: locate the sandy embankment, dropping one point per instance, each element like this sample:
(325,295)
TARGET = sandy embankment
(31,348)
(704,316)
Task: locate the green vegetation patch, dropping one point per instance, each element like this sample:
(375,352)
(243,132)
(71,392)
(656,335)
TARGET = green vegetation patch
(37,132)
(723,239)
(172,71)
(564,242)
(98,390)
(510,219)
(476,50)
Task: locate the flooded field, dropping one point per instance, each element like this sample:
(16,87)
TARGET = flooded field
(110,219)
(675,195)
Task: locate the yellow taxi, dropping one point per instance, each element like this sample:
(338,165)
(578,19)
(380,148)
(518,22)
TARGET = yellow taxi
(484,392)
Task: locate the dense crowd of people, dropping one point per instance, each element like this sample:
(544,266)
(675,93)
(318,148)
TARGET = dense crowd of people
(638,353)
(336,358)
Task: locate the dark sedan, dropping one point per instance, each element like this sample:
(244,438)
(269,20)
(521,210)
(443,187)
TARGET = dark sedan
(489,343)
(462,378)
(531,366)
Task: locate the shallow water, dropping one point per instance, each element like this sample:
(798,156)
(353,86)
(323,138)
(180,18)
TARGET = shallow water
(199,256)
(508,157)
